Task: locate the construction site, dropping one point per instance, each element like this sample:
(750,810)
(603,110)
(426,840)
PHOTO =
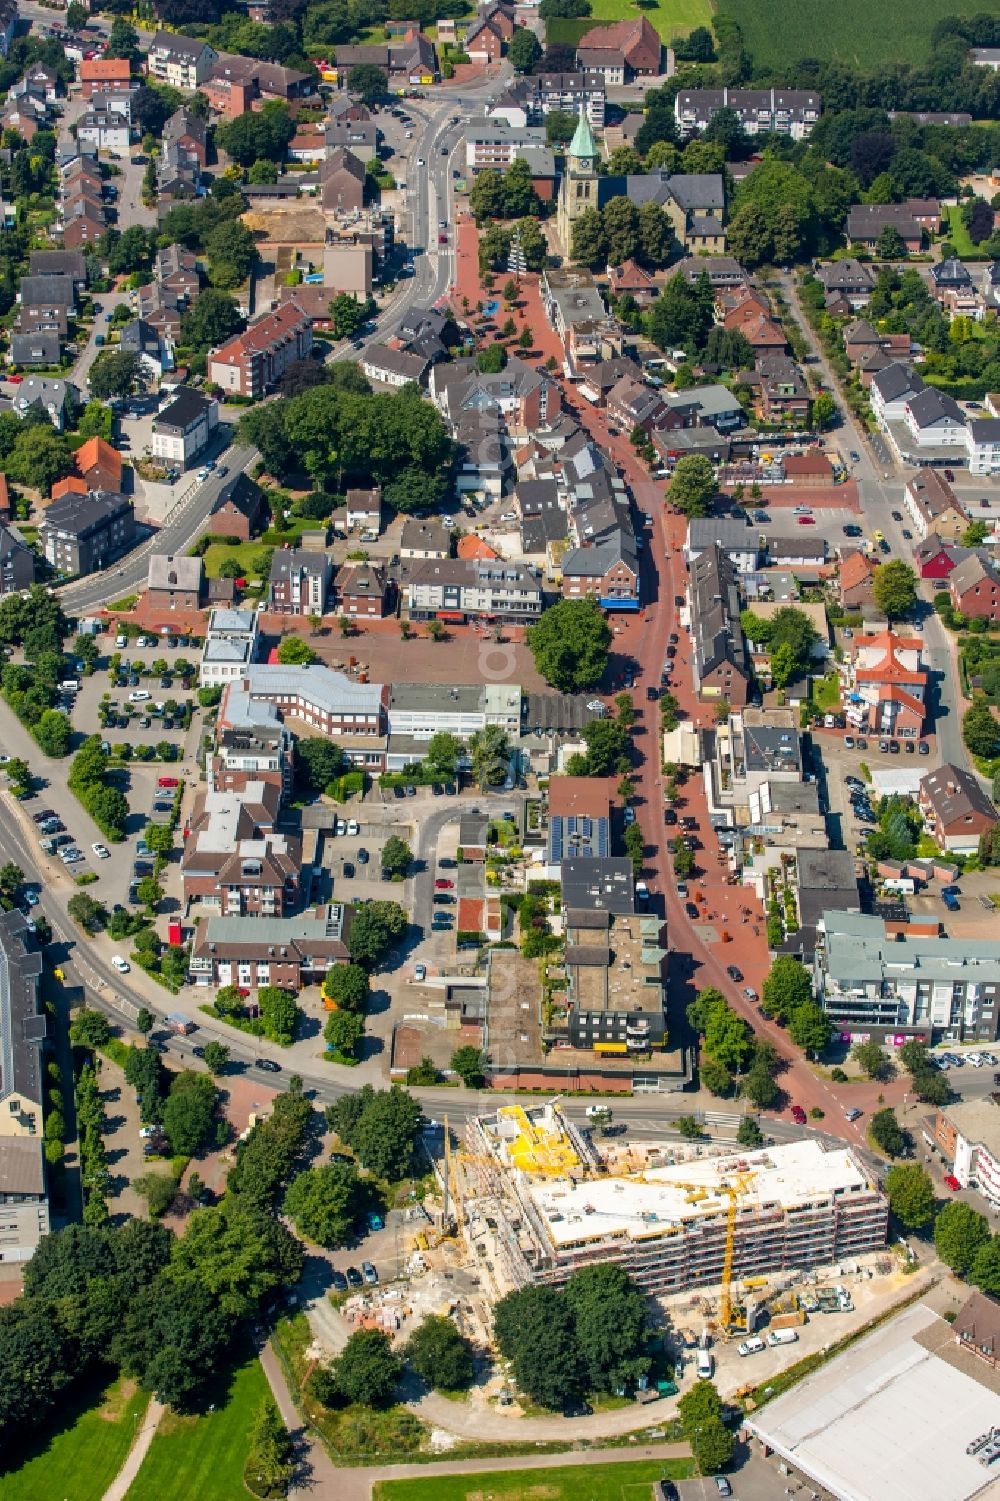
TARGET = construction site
(540,1199)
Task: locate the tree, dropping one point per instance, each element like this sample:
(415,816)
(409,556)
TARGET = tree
(911,1195)
(559,123)
(749,1134)
(278,1012)
(210,320)
(158,1189)
(492,359)
(386,1131)
(368,82)
(295,652)
(318,762)
(343,1032)
(975,534)
(589,245)
(375,928)
(980,731)
(809,1027)
(216,1057)
(239,1252)
(621,229)
(700,1412)
(871,1060)
(367,1370)
(824,410)
(270,1462)
(656,236)
(323,1203)
(149,892)
(190,1118)
(894,589)
(523,50)
(439,1354)
(534,1330)
(89,1029)
(787,986)
(885,1133)
(727,1036)
(145,1020)
(570,644)
(714,1076)
(232,254)
(759,1087)
(40,457)
(90,914)
(890,246)
(610,1326)
(397,857)
(489,753)
(123,42)
(347,985)
(959,1233)
(748,236)
(115,374)
(170,1340)
(693,485)
(442,754)
(348,314)
(469,1064)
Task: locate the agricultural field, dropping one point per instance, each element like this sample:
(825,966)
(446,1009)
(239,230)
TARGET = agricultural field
(779,32)
(670,18)
(629,1481)
(83,1456)
(201,1456)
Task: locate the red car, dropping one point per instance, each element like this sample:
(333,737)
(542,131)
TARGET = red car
(443,885)
(950,1181)
(798,1115)
(167,782)
(807,520)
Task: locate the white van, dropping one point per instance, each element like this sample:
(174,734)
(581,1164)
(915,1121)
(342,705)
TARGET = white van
(70,685)
(782,1337)
(139,696)
(706,1365)
(751,1346)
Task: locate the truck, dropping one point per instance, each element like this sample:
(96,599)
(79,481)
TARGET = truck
(180,1024)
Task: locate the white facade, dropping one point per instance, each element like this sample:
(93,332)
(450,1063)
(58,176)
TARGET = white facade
(230,647)
(180,442)
(982,441)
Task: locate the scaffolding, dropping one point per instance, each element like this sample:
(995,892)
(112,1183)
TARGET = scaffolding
(536,1149)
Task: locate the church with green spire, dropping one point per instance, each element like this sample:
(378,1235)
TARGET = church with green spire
(578,190)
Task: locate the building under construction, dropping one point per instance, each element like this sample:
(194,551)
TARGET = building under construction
(675,1224)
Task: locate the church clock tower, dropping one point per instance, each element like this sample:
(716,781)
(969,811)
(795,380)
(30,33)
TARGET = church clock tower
(578,189)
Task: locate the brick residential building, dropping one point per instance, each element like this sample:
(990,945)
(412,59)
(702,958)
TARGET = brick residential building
(362,592)
(289,952)
(174,583)
(855,580)
(256,359)
(80,533)
(974,586)
(608,571)
(105,75)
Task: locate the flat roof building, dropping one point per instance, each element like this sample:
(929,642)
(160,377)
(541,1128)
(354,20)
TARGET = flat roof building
(798,1205)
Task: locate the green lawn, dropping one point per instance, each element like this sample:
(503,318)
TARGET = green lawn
(85,1455)
(670,18)
(596,1482)
(201,1457)
(779,32)
(825,693)
(217,553)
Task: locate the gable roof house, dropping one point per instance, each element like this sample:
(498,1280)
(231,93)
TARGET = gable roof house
(621,51)
(956,810)
(183,61)
(855,579)
(974,586)
(342,182)
(720,661)
(933,506)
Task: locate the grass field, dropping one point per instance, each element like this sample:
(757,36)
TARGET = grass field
(779,32)
(201,1457)
(670,18)
(630,1481)
(85,1455)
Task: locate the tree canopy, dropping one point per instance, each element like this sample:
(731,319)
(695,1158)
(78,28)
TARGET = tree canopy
(439,1354)
(323,1202)
(381,1126)
(570,644)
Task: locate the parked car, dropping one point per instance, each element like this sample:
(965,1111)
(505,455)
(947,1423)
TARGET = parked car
(692,911)
(338,1280)
(734,973)
(354,1277)
(950,1181)
(120,964)
(369,1273)
(798,1115)
(443,884)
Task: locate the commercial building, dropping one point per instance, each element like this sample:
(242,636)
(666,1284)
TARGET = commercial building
(874,982)
(894,1416)
(80,533)
(720,662)
(796,1206)
(24,1207)
(174,583)
(453,589)
(421,710)
(751,748)
(328,702)
(933,506)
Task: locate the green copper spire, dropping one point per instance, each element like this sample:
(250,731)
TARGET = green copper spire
(583,147)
